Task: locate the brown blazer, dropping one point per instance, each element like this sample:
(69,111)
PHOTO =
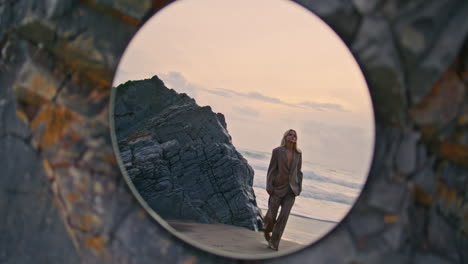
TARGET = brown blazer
(280,177)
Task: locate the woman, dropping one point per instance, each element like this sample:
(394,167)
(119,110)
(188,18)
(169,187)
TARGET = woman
(284,183)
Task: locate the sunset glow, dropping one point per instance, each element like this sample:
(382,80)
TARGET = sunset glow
(267,68)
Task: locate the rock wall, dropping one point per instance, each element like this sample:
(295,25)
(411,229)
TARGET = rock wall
(57,60)
(180,157)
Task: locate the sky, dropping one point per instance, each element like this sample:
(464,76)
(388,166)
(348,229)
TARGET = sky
(268,66)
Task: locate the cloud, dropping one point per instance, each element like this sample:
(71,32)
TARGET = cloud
(217,92)
(274,100)
(245,110)
(322,106)
(178,82)
(261,97)
(257,96)
(231,92)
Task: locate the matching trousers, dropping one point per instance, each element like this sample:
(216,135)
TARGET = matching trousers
(271,222)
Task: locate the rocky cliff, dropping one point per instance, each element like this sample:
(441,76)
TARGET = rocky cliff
(180,157)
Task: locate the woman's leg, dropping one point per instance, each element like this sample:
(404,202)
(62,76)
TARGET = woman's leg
(286,204)
(270,217)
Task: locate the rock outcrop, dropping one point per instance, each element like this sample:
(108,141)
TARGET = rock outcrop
(180,157)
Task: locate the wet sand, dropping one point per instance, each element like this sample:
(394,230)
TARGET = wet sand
(299,232)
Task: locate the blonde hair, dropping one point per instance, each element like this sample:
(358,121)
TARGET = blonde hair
(283,140)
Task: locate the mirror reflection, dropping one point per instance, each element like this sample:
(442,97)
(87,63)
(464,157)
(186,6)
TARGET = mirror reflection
(246,125)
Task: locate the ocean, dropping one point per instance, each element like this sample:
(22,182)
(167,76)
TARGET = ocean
(327,193)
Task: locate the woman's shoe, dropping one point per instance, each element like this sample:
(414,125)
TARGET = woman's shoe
(270,245)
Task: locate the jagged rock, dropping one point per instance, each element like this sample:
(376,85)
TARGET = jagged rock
(180,157)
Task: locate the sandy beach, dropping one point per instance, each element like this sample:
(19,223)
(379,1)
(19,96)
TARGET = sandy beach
(299,232)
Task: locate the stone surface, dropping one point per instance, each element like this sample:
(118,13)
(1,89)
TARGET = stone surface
(387,258)
(451,196)
(439,238)
(64,199)
(29,216)
(366,223)
(435,22)
(381,64)
(180,157)
(429,258)
(406,154)
(341,16)
(366,6)
(443,104)
(387,196)
(425,186)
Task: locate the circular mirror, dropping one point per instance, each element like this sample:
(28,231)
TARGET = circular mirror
(204,101)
